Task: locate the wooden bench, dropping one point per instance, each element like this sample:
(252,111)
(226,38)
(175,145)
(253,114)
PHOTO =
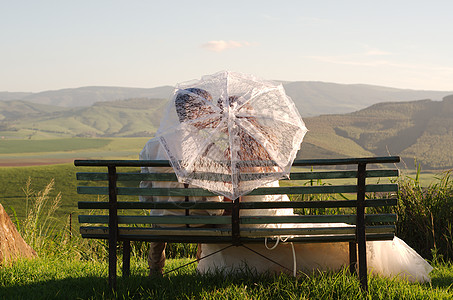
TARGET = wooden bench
(367,224)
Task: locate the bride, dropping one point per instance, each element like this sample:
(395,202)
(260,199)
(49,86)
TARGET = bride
(388,258)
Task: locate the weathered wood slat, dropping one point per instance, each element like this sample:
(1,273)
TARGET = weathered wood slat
(243,205)
(197,192)
(298,219)
(102,176)
(380,218)
(103,219)
(208,235)
(350,219)
(340,174)
(177,220)
(156,205)
(308,162)
(228,240)
(317,204)
(347,161)
(245,232)
(120,163)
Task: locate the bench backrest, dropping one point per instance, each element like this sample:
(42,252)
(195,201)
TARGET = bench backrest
(346,204)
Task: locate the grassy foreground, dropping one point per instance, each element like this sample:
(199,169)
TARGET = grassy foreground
(70,267)
(59,278)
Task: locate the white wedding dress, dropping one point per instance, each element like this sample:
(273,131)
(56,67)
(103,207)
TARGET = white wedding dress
(387,258)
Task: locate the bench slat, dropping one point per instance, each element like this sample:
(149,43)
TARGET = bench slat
(300,162)
(104,219)
(228,240)
(178,220)
(103,176)
(197,192)
(224,236)
(243,205)
(156,205)
(350,219)
(246,232)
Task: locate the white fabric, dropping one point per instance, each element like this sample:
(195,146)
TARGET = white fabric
(153,150)
(387,258)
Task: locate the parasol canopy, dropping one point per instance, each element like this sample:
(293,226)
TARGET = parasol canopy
(231,133)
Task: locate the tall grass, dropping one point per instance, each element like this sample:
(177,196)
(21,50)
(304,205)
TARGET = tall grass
(425,215)
(70,267)
(39,223)
(47,234)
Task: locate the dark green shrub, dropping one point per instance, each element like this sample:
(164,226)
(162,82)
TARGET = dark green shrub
(425,215)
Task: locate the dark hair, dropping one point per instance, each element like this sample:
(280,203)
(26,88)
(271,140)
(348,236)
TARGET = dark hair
(191,103)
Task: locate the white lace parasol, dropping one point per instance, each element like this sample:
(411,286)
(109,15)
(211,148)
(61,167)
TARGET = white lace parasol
(231,133)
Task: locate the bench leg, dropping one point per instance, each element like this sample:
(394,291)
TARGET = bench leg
(361,234)
(363,266)
(126,258)
(112,264)
(353,258)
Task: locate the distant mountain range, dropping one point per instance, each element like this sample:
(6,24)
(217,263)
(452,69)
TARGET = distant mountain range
(421,129)
(311,98)
(87,96)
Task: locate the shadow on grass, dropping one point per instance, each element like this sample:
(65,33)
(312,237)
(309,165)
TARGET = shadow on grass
(195,286)
(68,288)
(183,286)
(444,281)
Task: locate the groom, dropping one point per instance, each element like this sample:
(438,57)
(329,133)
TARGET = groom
(189,105)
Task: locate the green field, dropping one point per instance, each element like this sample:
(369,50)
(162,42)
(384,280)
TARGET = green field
(76,268)
(54,145)
(18,163)
(51,151)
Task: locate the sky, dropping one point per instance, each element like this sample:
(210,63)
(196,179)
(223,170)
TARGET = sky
(51,45)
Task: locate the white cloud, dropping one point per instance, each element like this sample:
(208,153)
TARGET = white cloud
(219,46)
(376,52)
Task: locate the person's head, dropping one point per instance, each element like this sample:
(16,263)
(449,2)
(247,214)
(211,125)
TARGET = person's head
(192,103)
(250,149)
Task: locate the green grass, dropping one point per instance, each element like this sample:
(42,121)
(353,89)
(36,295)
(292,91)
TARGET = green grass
(70,148)
(75,268)
(13,181)
(53,145)
(50,278)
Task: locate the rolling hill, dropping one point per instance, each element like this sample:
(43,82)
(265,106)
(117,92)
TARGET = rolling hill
(311,98)
(87,96)
(13,110)
(421,130)
(122,118)
(318,98)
